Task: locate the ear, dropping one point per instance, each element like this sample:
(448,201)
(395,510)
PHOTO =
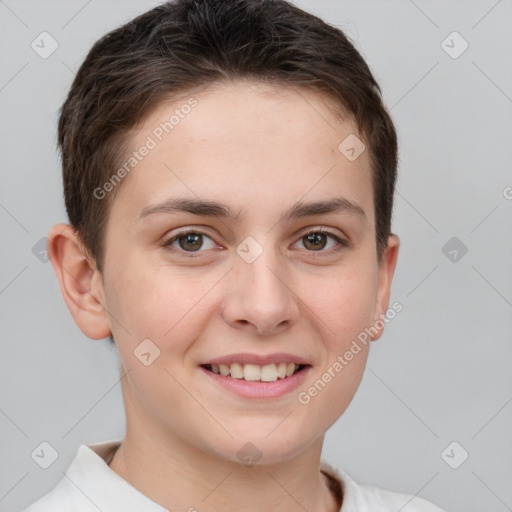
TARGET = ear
(80,282)
(385,276)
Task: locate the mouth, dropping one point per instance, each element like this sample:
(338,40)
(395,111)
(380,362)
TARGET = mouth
(256,373)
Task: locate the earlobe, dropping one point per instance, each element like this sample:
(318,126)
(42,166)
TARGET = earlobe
(385,277)
(79,280)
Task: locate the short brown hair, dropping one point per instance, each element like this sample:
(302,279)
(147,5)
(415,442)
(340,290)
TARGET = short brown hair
(184,45)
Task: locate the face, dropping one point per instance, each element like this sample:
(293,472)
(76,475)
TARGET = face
(243,239)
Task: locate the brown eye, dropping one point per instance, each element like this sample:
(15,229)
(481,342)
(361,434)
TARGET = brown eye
(315,241)
(320,239)
(191,241)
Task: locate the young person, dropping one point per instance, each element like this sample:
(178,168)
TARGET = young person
(229,170)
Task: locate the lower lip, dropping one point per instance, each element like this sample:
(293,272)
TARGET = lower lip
(258,389)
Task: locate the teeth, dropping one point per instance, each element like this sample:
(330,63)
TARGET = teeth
(269,373)
(237,371)
(253,372)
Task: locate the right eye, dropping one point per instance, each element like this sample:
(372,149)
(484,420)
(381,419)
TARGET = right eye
(189,241)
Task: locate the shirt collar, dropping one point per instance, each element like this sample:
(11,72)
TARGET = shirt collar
(90,473)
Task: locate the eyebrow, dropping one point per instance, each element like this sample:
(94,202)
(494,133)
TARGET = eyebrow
(214,209)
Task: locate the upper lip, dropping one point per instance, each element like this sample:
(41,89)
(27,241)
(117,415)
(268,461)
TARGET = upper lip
(259,359)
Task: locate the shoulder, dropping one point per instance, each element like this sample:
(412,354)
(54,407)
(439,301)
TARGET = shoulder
(370,498)
(84,485)
(65,496)
(62,498)
(47,504)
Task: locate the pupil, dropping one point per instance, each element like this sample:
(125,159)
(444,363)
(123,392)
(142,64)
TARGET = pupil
(315,239)
(194,240)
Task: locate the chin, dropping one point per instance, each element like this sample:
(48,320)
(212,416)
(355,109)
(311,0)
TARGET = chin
(255,449)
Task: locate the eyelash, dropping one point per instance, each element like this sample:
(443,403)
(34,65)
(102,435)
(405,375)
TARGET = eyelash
(194,254)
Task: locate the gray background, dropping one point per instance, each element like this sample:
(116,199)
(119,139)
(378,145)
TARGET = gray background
(441,372)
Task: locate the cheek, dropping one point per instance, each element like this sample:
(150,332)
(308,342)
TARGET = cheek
(343,303)
(334,384)
(159,304)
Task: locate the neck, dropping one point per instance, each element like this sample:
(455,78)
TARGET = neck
(179,476)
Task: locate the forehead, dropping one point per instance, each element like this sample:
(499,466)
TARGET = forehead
(245,139)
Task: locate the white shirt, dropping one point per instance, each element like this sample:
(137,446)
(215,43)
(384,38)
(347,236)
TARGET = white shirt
(89,485)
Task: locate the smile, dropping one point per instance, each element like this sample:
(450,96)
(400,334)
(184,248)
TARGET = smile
(254,372)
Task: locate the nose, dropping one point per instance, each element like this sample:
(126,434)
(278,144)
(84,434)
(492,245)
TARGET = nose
(259,298)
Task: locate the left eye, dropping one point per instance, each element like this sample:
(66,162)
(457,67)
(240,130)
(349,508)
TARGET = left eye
(318,240)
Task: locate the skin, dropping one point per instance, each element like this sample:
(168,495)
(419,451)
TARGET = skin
(258,149)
